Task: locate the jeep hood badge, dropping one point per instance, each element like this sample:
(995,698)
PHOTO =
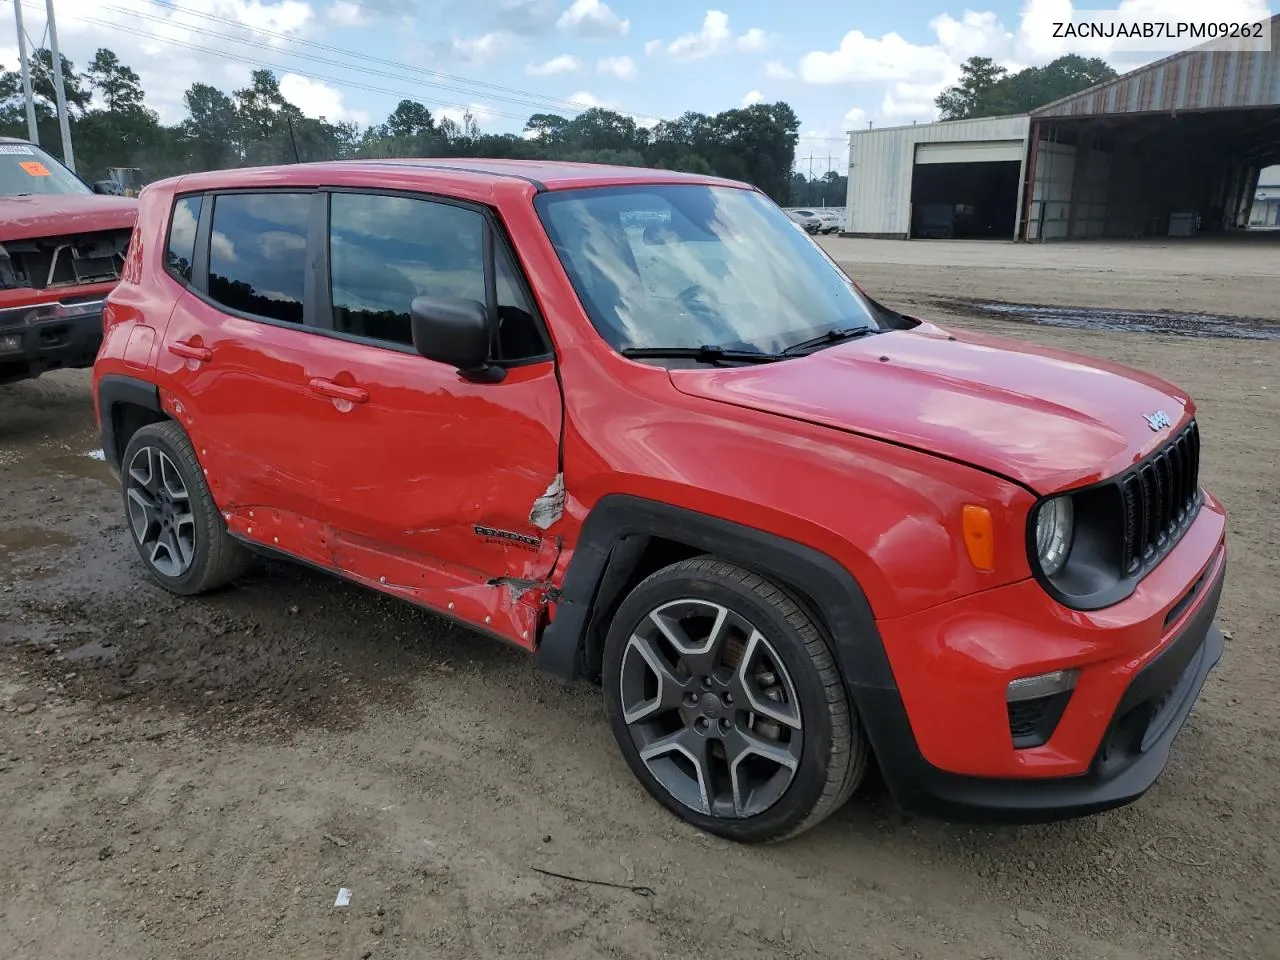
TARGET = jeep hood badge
(1158,420)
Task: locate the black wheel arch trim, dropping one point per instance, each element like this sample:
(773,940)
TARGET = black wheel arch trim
(613,540)
(114,390)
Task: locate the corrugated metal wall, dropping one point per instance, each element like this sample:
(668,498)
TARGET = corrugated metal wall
(881,163)
(1191,80)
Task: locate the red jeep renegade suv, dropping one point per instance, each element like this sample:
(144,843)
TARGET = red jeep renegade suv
(638,423)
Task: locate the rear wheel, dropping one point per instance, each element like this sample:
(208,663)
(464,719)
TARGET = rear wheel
(726,702)
(172,519)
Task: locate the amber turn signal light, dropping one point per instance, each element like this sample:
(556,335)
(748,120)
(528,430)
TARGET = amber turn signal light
(979,538)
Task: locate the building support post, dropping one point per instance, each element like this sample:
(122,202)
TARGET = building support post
(33,129)
(64,121)
(1029,188)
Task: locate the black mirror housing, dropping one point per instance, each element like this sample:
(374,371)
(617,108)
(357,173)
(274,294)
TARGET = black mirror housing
(454,331)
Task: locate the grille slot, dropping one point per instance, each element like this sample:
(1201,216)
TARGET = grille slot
(1160,498)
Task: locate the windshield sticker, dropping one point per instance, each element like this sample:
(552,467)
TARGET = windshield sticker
(15,150)
(35,168)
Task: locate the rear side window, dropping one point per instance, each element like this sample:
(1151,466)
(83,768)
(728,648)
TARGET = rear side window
(257,253)
(182,237)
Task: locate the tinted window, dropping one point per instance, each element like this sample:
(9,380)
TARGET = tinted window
(257,253)
(182,236)
(385,251)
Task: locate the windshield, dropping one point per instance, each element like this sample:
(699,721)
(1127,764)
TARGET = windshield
(690,265)
(26,169)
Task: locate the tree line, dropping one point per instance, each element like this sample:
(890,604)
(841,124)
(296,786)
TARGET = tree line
(986,89)
(111,126)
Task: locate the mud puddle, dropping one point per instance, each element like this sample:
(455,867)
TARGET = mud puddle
(89,466)
(25,537)
(1197,325)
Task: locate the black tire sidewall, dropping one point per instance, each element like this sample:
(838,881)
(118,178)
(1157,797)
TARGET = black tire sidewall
(810,780)
(208,524)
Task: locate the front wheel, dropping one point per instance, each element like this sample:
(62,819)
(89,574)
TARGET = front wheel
(724,697)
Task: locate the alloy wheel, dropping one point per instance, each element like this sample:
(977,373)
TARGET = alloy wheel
(160,512)
(711,708)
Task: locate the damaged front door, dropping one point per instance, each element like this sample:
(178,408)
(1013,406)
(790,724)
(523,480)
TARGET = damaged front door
(435,487)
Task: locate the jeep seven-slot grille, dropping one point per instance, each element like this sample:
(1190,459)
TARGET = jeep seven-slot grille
(1160,497)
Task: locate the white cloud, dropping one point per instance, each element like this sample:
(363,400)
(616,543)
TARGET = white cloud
(565,63)
(753,41)
(715,37)
(652,47)
(593,19)
(855,116)
(344,13)
(624,68)
(317,99)
(910,100)
(483,49)
(586,100)
(776,71)
(151,39)
(752,97)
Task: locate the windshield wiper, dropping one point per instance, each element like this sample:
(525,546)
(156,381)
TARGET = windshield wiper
(834,335)
(707,353)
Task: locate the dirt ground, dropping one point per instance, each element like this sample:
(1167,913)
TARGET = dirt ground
(198,779)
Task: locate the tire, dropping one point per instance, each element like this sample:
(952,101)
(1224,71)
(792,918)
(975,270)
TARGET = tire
(791,751)
(197,555)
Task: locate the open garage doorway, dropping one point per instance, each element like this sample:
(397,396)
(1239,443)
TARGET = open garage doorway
(967,190)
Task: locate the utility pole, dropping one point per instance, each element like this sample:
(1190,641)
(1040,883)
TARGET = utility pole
(808,193)
(33,131)
(64,122)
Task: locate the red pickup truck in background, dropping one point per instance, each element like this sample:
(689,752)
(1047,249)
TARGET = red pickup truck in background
(62,246)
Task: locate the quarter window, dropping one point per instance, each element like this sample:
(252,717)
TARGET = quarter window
(182,237)
(385,250)
(257,253)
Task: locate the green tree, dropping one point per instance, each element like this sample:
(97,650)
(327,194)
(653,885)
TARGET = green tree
(986,89)
(969,97)
(212,129)
(120,87)
(409,119)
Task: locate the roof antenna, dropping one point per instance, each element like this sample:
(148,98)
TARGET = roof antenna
(289,120)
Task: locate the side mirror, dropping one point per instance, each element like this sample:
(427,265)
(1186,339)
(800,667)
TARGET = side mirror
(109,187)
(454,331)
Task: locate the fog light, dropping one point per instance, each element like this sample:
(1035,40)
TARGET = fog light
(10,343)
(1042,685)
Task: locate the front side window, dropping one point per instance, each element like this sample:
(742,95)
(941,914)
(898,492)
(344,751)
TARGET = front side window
(689,266)
(181,253)
(26,170)
(257,253)
(384,251)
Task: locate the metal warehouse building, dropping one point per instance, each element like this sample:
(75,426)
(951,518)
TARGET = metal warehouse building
(1172,148)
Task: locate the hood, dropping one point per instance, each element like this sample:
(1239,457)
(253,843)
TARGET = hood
(58,215)
(1044,418)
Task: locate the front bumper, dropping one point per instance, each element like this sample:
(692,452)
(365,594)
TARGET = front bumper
(1130,758)
(48,336)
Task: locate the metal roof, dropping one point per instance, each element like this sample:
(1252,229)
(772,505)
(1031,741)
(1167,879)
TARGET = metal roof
(1196,79)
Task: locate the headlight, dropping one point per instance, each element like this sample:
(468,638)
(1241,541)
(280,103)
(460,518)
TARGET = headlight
(1054,525)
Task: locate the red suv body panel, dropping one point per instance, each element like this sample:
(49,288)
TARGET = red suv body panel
(401,474)
(51,305)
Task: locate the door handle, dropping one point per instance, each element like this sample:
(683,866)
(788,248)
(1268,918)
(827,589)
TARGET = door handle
(190,351)
(336,391)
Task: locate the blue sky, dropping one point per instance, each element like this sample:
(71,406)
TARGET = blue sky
(841,64)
